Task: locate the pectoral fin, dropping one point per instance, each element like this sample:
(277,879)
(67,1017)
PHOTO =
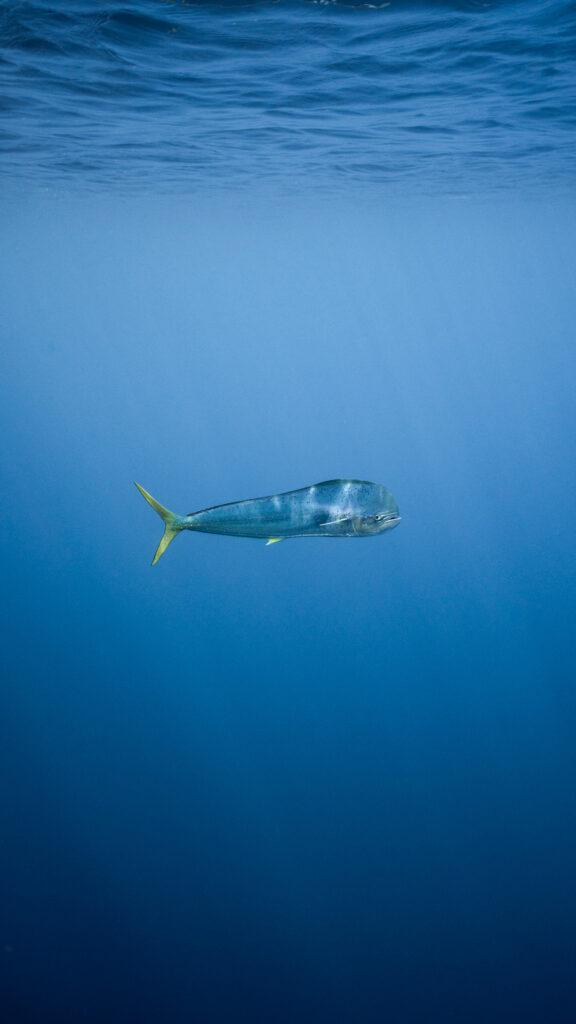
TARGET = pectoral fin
(332,522)
(274,540)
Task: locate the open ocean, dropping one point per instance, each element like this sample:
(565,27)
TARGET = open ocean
(244,248)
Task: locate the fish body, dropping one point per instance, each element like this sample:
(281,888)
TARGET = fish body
(334,508)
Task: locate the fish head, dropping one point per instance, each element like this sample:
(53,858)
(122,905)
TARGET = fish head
(378,522)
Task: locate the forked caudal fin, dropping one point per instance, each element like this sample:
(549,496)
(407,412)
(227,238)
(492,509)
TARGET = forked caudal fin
(172,523)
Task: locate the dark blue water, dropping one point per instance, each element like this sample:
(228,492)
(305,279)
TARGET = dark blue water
(177,97)
(246,248)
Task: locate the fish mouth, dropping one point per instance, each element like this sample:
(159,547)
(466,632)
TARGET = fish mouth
(390,520)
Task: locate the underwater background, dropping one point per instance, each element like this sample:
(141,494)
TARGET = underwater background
(246,248)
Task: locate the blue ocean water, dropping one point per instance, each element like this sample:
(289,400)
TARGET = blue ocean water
(246,248)
(172,96)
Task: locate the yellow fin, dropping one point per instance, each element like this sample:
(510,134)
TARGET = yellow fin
(172,523)
(274,540)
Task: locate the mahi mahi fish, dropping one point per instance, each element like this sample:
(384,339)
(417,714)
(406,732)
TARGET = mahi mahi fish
(334,508)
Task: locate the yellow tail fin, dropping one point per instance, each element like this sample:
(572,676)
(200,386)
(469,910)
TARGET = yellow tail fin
(172,523)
